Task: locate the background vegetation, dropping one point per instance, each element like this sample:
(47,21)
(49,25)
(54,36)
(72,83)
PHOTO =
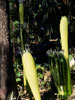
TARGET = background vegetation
(40,33)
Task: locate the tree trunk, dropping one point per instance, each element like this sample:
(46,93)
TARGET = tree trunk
(6,71)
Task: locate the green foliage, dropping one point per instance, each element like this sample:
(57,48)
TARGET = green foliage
(43,76)
(18,79)
(41,18)
(18,71)
(70,57)
(41,23)
(58,68)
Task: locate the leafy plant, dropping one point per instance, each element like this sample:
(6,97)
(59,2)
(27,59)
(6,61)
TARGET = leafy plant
(59,63)
(64,44)
(58,69)
(31,74)
(29,69)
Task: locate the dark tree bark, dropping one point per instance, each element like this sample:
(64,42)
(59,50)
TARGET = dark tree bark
(7,83)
